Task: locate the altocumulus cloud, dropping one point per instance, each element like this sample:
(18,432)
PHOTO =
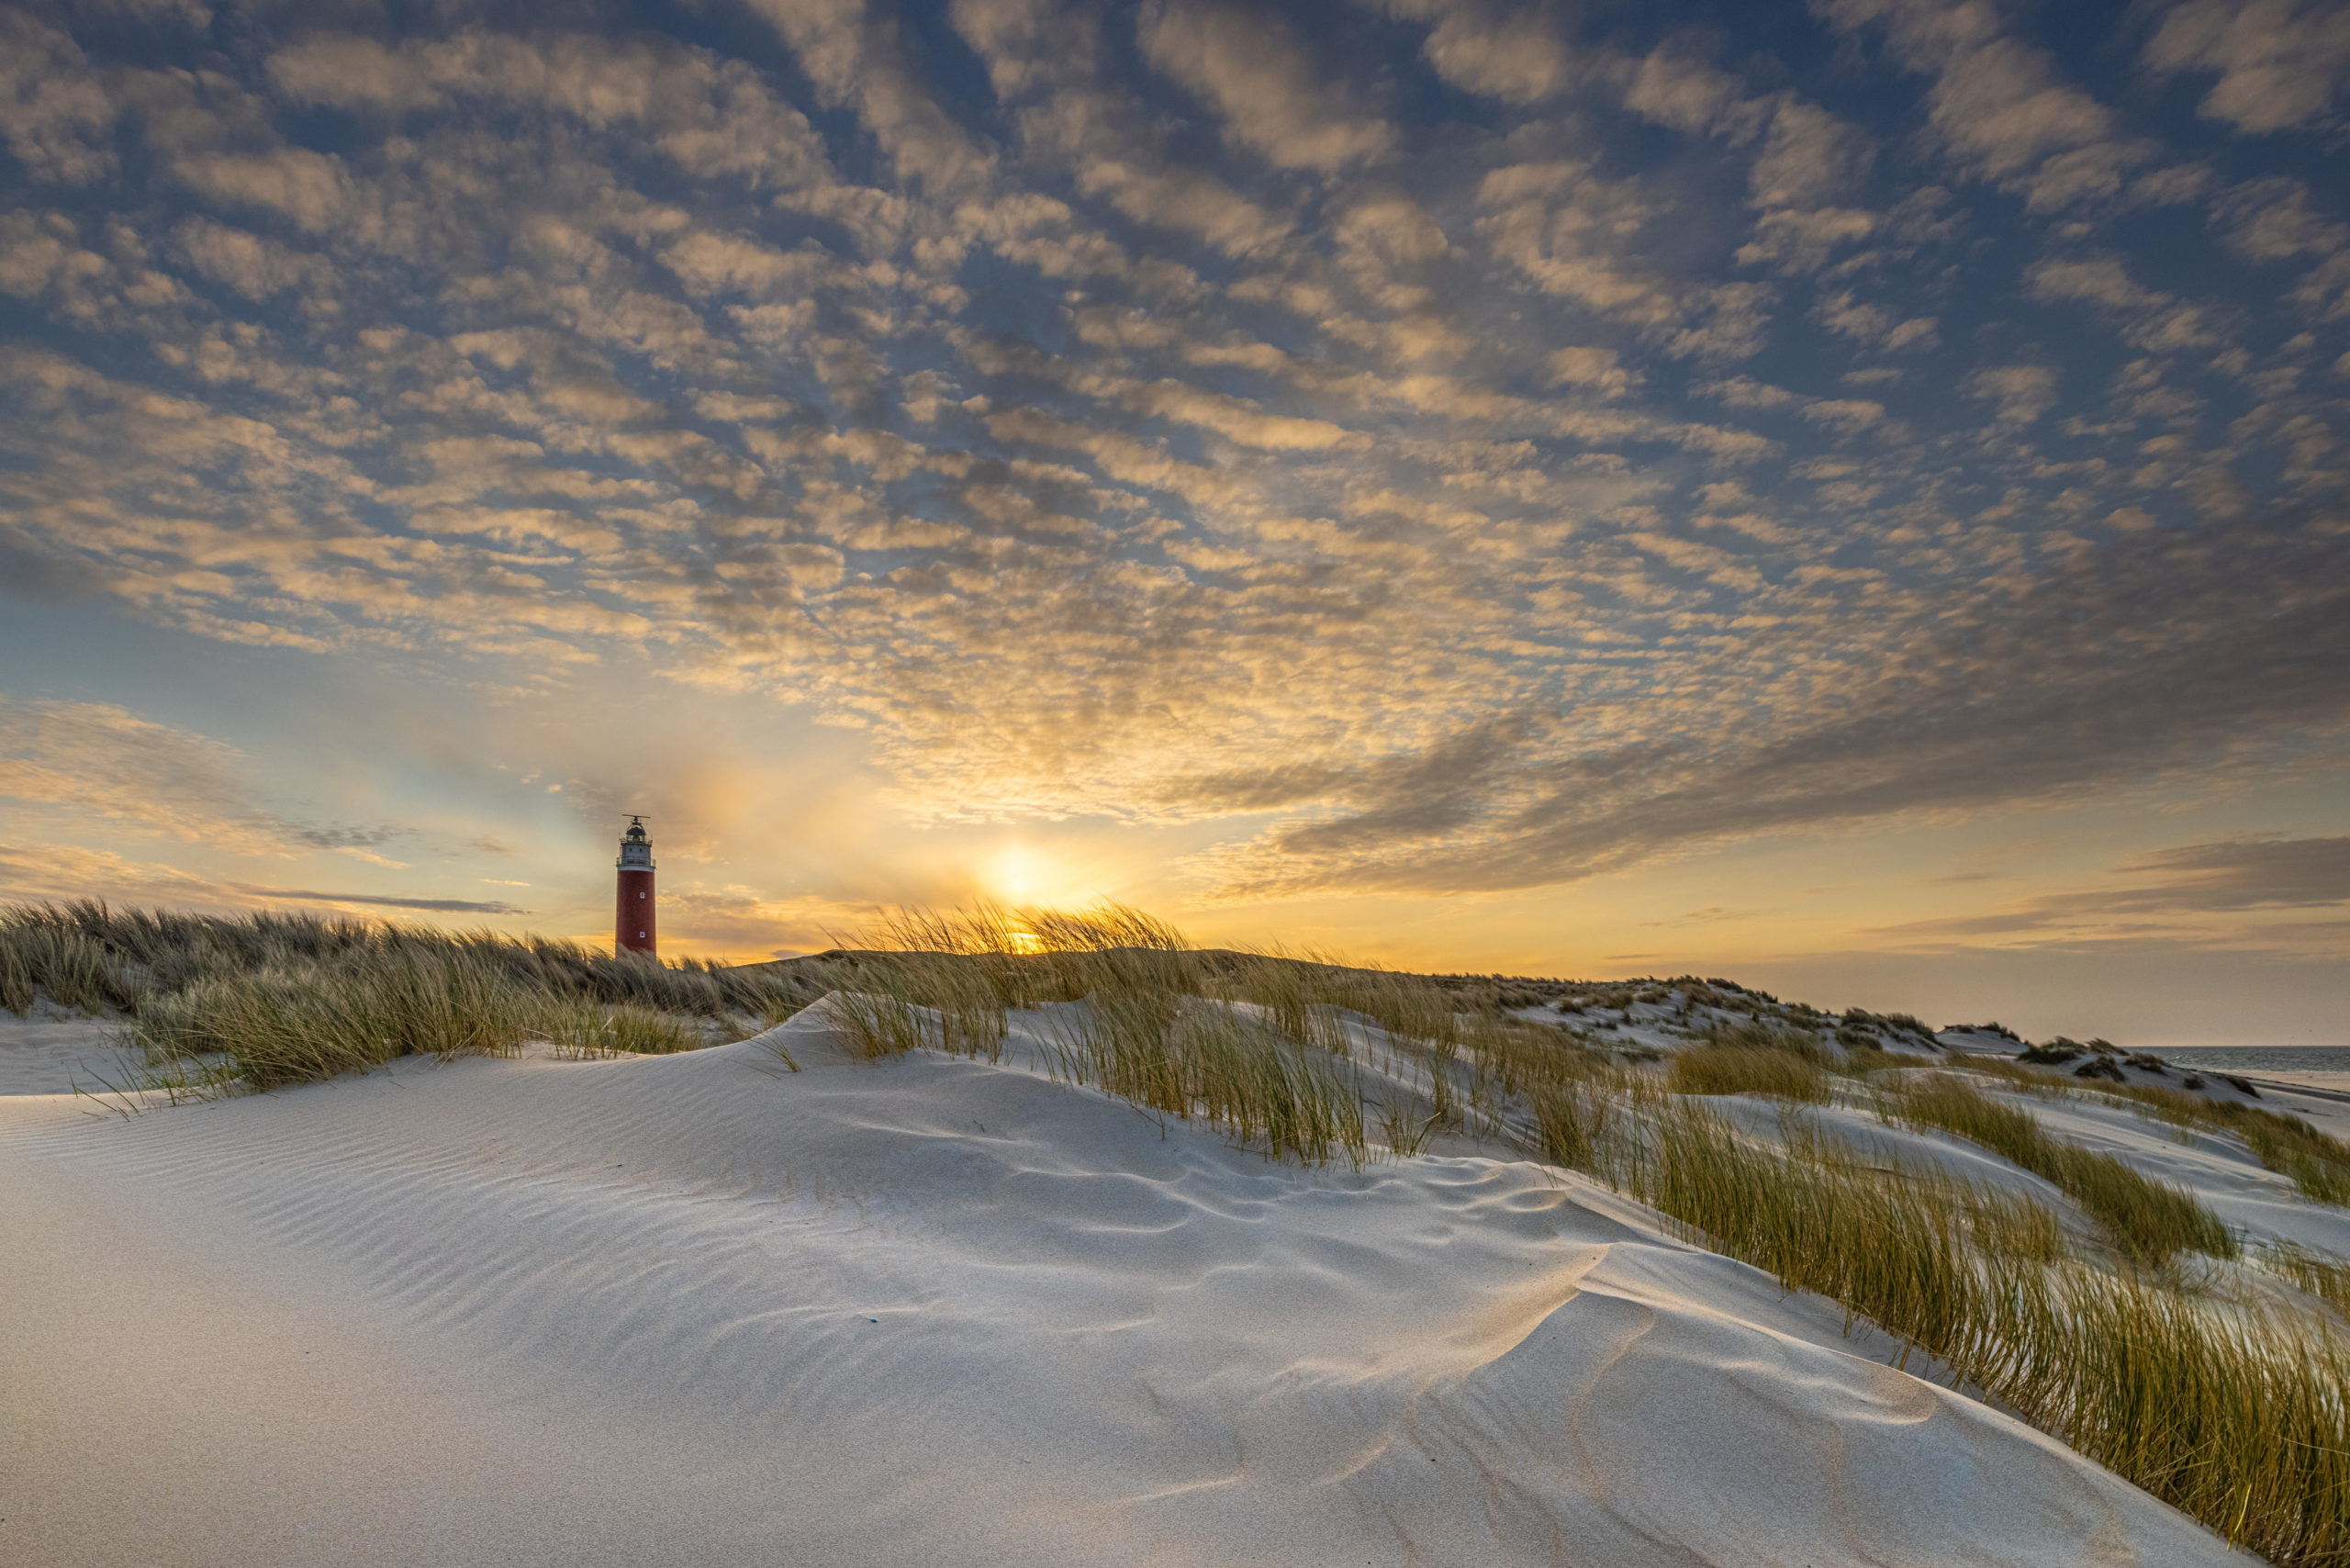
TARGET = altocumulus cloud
(1478,444)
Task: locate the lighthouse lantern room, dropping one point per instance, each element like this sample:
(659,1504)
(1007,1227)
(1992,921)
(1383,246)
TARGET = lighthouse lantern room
(633,925)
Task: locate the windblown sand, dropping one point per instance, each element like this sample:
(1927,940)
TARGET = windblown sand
(701,1310)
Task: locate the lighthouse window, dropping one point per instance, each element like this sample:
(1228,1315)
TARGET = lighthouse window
(640,895)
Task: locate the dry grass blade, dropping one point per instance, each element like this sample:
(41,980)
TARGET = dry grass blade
(1198,1059)
(289,998)
(2316,1163)
(2320,1274)
(1755,1034)
(1571,1124)
(1746,1069)
(2149,1220)
(2232,1415)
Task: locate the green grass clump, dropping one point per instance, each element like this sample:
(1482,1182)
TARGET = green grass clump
(1896,1249)
(1745,1069)
(2322,1274)
(1861,1060)
(283,1027)
(2318,1165)
(1267,1045)
(1277,1074)
(1571,1123)
(2149,1220)
(285,998)
(2315,1162)
(145,954)
(1509,1058)
(2233,1414)
(584,1031)
(1188,1058)
(42,955)
(1299,1002)
(640,1031)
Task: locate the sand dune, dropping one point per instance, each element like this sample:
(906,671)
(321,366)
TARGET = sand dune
(700,1310)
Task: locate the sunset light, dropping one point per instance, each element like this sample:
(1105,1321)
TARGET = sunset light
(1824,493)
(1038,783)
(1015,877)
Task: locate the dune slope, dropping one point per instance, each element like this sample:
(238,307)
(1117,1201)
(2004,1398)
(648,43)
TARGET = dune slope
(698,1309)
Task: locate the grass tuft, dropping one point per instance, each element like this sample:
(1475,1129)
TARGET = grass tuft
(1755,1034)
(1746,1069)
(2320,1274)
(39,955)
(1571,1123)
(2233,1414)
(2315,1162)
(584,1031)
(370,1006)
(287,998)
(1189,1057)
(2150,1221)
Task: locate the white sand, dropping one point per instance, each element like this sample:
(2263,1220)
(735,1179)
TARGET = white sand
(53,1053)
(697,1310)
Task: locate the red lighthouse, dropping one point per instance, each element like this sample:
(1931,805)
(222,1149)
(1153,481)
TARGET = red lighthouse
(633,925)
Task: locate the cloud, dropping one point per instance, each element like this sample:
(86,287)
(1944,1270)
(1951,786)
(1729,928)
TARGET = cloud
(254,267)
(2174,895)
(2118,667)
(1047,60)
(1849,415)
(1584,365)
(2279,63)
(1999,104)
(2238,874)
(855,56)
(55,112)
(1519,55)
(93,760)
(1572,233)
(1176,414)
(2270,220)
(1262,81)
(1879,326)
(714,117)
(377,901)
(2158,322)
(2023,392)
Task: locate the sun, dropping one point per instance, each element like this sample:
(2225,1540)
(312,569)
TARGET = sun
(1015,873)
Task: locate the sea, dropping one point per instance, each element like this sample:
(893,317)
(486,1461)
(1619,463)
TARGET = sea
(2261,1059)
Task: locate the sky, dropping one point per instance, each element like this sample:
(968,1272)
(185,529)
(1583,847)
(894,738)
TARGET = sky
(1848,497)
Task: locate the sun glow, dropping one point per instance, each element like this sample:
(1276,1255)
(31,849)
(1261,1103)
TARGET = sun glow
(1016,873)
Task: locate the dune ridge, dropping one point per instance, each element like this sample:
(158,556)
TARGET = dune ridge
(700,1310)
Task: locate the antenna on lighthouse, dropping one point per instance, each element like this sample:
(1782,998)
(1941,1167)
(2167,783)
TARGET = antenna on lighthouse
(634,929)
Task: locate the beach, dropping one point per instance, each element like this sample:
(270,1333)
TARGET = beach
(708,1309)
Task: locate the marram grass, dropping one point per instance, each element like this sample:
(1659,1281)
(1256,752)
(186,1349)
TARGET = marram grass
(2150,1221)
(1747,1069)
(283,1026)
(587,1030)
(88,955)
(2236,1414)
(2315,1162)
(2318,1273)
(1132,1023)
